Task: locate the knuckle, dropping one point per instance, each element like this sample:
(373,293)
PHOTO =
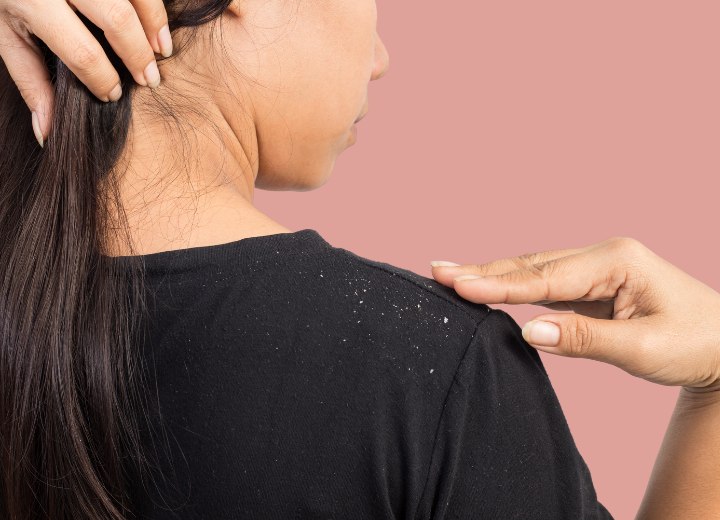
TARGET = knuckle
(85,56)
(529,261)
(119,15)
(524,260)
(631,254)
(581,339)
(544,270)
(520,263)
(533,265)
(18,10)
(628,246)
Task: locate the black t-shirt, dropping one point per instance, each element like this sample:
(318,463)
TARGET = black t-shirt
(297,380)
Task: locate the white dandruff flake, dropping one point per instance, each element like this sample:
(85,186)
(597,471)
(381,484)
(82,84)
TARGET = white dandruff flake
(432,370)
(446,320)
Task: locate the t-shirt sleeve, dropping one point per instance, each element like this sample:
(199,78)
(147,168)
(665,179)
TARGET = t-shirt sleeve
(503,448)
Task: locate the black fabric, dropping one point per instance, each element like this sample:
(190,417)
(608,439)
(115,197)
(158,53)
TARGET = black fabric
(296,380)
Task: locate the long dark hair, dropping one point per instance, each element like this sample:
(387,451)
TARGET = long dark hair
(71,382)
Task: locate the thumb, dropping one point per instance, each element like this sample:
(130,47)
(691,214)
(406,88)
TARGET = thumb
(575,335)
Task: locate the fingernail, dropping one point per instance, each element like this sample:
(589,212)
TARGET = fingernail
(152,75)
(115,93)
(466,277)
(443,263)
(165,41)
(36,129)
(541,333)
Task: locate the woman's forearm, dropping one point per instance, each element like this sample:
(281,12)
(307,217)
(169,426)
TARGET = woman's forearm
(685,480)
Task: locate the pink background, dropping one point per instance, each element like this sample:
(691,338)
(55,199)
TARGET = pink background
(505,128)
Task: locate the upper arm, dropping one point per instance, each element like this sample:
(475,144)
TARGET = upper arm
(503,448)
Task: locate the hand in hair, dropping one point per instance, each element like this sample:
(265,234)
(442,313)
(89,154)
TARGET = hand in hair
(134,29)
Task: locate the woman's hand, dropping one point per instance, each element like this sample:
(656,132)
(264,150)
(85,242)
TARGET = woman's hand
(134,29)
(632,308)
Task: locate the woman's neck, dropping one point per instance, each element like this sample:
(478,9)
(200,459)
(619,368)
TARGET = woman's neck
(191,190)
(215,218)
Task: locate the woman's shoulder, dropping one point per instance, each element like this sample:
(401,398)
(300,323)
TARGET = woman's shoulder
(389,308)
(402,280)
(428,324)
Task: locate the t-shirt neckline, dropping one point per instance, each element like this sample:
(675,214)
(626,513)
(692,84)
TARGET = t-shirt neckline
(238,251)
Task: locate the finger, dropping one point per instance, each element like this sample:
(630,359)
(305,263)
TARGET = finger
(153,18)
(125,33)
(581,276)
(78,49)
(618,342)
(25,65)
(446,274)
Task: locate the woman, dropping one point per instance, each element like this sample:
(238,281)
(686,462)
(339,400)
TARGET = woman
(288,378)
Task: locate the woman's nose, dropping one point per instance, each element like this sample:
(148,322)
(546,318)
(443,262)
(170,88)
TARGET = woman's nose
(382,59)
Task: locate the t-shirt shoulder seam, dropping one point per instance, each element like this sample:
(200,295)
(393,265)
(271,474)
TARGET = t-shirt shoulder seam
(404,277)
(453,382)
